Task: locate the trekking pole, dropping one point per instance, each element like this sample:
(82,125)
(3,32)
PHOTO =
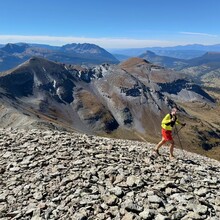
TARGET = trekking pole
(177,133)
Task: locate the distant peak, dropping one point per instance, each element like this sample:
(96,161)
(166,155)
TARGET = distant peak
(15,48)
(35,59)
(150,52)
(35,62)
(77,47)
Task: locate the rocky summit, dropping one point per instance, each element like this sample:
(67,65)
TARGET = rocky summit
(47,174)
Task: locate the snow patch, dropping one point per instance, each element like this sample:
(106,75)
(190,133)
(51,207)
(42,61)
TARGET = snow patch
(54,84)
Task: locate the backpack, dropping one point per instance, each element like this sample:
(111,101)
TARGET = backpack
(172,123)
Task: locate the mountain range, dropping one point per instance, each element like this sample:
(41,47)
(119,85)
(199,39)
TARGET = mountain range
(199,62)
(127,100)
(204,70)
(182,52)
(211,59)
(12,55)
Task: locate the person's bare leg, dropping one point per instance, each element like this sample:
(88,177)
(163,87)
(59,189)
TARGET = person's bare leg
(171,149)
(159,145)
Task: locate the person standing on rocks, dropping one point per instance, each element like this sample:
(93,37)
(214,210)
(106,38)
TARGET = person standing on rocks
(167,125)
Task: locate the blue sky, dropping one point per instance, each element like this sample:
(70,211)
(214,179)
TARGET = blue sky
(111,23)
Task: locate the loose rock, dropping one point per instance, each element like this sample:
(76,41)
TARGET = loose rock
(59,175)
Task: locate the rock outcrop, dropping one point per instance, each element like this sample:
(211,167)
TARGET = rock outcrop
(47,174)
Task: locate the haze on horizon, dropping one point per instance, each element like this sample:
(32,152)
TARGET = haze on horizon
(110,24)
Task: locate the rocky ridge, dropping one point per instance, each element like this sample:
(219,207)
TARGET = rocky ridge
(47,174)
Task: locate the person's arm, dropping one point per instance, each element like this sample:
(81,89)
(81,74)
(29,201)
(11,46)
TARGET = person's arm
(180,123)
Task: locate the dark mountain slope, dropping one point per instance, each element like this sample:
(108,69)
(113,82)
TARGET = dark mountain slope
(211,59)
(38,74)
(50,89)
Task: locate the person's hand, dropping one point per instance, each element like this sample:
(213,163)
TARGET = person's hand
(173,118)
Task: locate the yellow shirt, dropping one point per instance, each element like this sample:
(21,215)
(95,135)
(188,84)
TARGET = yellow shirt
(166,120)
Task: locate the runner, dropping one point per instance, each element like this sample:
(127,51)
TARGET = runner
(167,125)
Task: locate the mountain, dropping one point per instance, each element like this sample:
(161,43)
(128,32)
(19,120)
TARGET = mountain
(198,47)
(211,59)
(168,62)
(48,174)
(48,87)
(181,52)
(205,70)
(127,100)
(15,48)
(45,46)
(90,53)
(12,55)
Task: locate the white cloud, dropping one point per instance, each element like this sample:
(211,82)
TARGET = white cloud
(103,42)
(198,34)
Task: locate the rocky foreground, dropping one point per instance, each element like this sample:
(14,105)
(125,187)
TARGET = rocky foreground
(59,175)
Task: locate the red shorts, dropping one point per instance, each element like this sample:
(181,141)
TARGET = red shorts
(167,135)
